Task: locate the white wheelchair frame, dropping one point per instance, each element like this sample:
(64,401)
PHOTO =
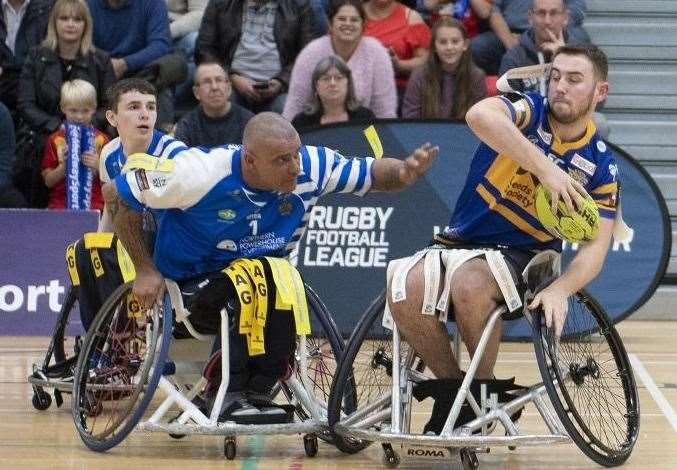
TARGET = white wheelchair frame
(388,419)
(193,421)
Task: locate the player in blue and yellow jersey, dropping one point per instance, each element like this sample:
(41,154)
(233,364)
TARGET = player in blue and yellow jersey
(526,140)
(232,203)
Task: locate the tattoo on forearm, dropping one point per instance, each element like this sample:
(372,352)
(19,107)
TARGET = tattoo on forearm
(390,178)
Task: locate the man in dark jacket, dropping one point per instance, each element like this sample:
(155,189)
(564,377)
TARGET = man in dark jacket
(23,25)
(258,41)
(548,21)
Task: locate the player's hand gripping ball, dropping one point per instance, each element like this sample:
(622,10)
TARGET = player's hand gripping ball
(579,226)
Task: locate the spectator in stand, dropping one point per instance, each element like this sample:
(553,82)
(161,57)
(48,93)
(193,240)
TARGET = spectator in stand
(215,121)
(23,24)
(9,195)
(136,35)
(184,22)
(66,54)
(83,191)
(371,67)
(472,13)
(402,31)
(321,12)
(448,84)
(548,20)
(508,20)
(334,96)
(258,42)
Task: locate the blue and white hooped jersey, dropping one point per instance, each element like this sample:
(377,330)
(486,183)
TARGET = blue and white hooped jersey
(497,206)
(212,217)
(113,157)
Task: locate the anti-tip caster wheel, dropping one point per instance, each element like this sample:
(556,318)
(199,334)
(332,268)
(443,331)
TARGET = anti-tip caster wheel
(41,399)
(469,459)
(229,447)
(390,457)
(310,445)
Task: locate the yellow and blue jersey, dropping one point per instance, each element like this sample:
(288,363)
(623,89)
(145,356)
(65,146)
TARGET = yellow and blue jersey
(496,205)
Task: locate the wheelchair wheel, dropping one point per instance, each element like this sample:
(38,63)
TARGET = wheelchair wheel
(118,369)
(364,374)
(590,382)
(324,348)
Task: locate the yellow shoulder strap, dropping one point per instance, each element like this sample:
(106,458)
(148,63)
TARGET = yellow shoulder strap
(98,240)
(70,262)
(143,161)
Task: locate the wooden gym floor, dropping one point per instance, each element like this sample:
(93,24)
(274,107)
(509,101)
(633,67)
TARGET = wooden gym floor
(31,439)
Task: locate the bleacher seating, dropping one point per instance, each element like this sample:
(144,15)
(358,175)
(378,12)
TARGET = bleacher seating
(640,39)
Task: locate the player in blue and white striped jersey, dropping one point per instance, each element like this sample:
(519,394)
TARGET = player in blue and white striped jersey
(228,203)
(232,202)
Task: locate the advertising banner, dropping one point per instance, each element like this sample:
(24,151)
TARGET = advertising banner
(34,278)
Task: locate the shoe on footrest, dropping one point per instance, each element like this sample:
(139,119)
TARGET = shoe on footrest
(444,391)
(241,409)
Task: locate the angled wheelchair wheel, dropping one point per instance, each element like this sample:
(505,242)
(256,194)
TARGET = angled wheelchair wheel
(364,374)
(118,369)
(590,382)
(324,349)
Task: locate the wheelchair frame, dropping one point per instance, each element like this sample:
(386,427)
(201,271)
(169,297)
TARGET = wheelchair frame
(392,411)
(193,421)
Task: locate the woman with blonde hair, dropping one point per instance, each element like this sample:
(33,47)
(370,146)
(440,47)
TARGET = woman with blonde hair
(448,83)
(67,53)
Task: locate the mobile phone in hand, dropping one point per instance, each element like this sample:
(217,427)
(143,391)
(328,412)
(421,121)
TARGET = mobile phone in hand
(261,85)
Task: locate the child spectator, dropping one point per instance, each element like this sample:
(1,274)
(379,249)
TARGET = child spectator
(448,84)
(71,157)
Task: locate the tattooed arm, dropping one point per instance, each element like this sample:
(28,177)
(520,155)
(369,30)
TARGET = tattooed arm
(390,174)
(128,223)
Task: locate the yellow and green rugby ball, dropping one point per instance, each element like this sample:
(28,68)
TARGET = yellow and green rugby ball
(574,227)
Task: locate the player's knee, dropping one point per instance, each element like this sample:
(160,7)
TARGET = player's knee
(411,305)
(471,291)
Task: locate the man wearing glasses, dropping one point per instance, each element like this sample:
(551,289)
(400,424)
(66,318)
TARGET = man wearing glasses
(215,121)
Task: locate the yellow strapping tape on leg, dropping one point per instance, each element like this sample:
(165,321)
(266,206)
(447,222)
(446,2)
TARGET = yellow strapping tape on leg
(98,240)
(243,287)
(125,263)
(70,262)
(289,285)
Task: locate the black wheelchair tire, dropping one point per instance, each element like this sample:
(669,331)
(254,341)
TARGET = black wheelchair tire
(564,406)
(150,376)
(320,312)
(344,384)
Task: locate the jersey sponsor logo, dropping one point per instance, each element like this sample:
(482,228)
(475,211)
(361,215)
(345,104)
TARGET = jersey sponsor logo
(228,245)
(159,182)
(601,146)
(141,180)
(285,207)
(545,136)
(579,176)
(613,170)
(583,164)
(227,214)
(556,159)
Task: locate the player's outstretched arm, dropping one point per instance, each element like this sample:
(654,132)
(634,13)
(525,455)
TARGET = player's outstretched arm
(391,174)
(583,268)
(128,224)
(492,122)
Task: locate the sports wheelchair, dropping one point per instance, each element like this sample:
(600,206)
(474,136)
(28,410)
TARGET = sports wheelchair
(124,359)
(586,377)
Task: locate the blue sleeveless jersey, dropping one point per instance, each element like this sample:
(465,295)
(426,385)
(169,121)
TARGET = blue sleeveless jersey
(496,205)
(209,216)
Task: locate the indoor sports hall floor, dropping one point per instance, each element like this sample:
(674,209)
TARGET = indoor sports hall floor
(47,439)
